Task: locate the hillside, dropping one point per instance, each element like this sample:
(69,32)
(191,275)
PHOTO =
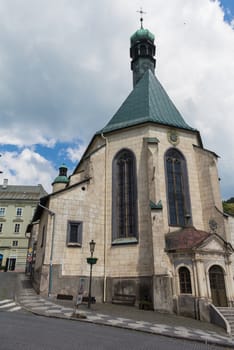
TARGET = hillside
(228,206)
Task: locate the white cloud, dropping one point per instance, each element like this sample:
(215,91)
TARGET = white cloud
(27,167)
(66,70)
(75,153)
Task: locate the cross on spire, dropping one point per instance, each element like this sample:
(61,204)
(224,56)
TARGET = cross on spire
(141,18)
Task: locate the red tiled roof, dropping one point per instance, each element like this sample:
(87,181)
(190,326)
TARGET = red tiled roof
(186,238)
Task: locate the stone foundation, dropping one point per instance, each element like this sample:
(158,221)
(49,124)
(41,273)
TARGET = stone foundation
(163,293)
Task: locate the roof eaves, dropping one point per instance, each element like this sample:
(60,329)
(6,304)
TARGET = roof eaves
(206,150)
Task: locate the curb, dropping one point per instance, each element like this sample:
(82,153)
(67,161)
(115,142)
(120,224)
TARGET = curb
(84,318)
(124,326)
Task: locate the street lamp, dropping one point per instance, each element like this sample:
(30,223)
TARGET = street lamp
(92,247)
(91,261)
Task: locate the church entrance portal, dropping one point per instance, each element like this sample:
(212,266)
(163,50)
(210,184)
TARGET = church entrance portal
(217,286)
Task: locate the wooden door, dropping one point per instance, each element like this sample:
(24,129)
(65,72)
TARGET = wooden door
(217,286)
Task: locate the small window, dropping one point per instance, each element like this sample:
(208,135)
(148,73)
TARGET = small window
(185,281)
(15,243)
(1,228)
(17,228)
(74,235)
(19,211)
(2,211)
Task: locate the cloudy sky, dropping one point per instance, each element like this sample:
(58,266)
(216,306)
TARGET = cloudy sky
(65,70)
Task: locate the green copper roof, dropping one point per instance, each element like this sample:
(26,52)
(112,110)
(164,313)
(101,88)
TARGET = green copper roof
(156,206)
(141,34)
(61,179)
(148,102)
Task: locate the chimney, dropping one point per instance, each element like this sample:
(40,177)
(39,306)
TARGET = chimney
(5,183)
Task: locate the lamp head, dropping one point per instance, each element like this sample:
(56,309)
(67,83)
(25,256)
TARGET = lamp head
(92,246)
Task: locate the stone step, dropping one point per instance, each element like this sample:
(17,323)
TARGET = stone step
(230,317)
(228,313)
(229,309)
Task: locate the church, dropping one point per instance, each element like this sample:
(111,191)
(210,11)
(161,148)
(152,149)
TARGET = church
(147,193)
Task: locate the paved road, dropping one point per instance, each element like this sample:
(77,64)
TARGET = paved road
(29,332)
(8,285)
(24,330)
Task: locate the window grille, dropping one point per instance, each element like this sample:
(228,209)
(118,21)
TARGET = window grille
(177,188)
(124,201)
(74,233)
(17,228)
(185,281)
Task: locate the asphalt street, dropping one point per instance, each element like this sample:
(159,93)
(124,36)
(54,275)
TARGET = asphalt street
(26,330)
(23,331)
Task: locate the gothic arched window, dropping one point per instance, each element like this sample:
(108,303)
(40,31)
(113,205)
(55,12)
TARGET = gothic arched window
(177,188)
(185,280)
(124,196)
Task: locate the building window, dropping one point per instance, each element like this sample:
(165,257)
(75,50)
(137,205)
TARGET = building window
(19,211)
(2,211)
(124,198)
(15,243)
(1,228)
(185,280)
(17,228)
(177,188)
(74,233)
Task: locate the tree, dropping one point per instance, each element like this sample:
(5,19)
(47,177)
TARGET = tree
(228,206)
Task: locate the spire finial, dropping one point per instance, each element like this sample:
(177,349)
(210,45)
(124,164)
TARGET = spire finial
(141,18)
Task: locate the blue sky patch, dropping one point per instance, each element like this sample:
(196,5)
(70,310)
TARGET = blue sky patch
(228,7)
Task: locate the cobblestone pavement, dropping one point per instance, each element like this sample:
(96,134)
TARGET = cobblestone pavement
(123,317)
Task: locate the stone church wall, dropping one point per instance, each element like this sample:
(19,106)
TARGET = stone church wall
(209,189)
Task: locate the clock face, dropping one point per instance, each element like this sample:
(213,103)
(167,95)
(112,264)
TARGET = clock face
(173,137)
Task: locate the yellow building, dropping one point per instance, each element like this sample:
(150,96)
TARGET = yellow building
(17,206)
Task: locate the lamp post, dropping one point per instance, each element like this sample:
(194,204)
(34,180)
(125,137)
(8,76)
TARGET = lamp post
(91,261)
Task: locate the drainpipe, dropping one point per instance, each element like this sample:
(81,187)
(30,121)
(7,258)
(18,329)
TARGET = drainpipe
(105,201)
(52,214)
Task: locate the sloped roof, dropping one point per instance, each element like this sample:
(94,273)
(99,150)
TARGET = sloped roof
(18,192)
(186,238)
(148,102)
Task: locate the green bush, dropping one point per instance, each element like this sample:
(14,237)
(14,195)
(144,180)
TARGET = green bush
(228,208)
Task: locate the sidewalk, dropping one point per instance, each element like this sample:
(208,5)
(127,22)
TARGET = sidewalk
(128,317)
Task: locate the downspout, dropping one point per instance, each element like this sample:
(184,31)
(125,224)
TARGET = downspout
(105,216)
(52,214)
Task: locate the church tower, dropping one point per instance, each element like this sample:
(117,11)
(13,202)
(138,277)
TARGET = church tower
(147,192)
(61,180)
(142,52)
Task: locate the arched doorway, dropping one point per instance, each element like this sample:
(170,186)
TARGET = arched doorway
(217,286)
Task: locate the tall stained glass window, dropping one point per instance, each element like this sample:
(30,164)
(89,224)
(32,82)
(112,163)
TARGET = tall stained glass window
(124,192)
(177,188)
